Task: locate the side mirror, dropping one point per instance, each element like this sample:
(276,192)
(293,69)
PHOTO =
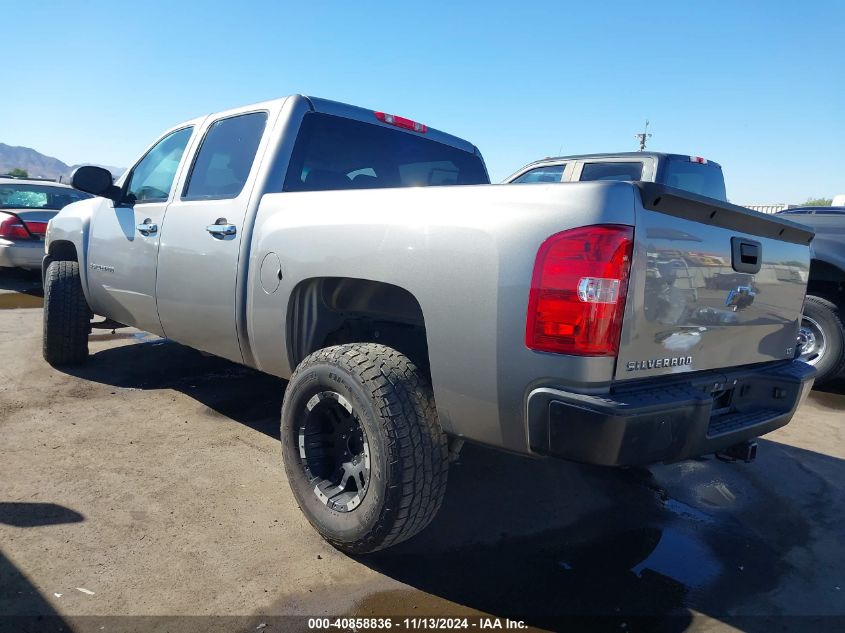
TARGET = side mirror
(96,180)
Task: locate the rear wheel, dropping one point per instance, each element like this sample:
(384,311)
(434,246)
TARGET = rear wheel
(821,339)
(67,318)
(363,450)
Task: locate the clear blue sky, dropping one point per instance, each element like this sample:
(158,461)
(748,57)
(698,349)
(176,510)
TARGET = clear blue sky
(757,86)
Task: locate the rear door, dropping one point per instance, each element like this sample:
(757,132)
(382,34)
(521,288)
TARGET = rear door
(621,168)
(202,234)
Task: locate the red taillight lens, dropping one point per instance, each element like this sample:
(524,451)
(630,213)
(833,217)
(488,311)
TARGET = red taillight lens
(37,228)
(577,296)
(12,228)
(400,121)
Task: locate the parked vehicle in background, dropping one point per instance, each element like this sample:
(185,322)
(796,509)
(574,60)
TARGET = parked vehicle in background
(330,245)
(690,173)
(26,206)
(822,339)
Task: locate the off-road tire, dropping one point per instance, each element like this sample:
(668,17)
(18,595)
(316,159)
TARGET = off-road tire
(67,317)
(826,315)
(408,452)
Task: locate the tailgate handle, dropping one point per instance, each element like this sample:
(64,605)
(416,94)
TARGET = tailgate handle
(747,255)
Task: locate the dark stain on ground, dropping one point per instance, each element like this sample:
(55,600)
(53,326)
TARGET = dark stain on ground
(24,289)
(642,557)
(17,300)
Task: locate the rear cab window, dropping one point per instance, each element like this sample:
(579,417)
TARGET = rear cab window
(333,153)
(704,179)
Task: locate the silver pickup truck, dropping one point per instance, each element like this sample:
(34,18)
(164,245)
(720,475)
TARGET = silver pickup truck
(413,306)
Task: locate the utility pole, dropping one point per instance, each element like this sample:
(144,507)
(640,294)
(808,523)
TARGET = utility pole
(643,136)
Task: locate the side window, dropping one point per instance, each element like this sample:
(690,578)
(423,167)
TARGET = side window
(552,173)
(153,176)
(225,157)
(612,171)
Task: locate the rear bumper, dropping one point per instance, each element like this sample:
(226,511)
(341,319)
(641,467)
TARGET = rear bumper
(21,254)
(666,420)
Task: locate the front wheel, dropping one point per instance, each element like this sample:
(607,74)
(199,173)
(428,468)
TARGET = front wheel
(364,453)
(821,339)
(67,317)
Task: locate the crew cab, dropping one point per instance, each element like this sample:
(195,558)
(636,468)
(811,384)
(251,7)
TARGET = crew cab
(688,173)
(413,306)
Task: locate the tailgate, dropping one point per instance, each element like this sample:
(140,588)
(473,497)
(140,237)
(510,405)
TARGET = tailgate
(712,286)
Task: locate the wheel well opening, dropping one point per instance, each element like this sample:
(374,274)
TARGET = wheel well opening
(63,251)
(827,281)
(328,311)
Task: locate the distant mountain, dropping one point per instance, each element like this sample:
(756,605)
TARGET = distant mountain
(38,165)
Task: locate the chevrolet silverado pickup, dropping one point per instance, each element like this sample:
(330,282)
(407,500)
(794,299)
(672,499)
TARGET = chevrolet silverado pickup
(412,306)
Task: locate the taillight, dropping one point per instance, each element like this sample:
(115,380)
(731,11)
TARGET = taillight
(12,228)
(577,296)
(37,228)
(400,121)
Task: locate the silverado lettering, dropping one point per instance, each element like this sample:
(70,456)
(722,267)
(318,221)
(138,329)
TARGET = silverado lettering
(657,363)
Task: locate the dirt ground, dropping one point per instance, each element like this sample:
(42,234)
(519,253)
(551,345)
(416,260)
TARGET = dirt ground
(148,483)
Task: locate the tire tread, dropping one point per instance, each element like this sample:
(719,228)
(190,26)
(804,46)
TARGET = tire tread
(67,317)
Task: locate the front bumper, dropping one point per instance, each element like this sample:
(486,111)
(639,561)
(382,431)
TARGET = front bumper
(666,419)
(21,254)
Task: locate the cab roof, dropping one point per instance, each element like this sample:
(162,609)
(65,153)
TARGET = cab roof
(337,108)
(658,155)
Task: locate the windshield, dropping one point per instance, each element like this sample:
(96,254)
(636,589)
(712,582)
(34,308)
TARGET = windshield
(338,153)
(705,179)
(26,196)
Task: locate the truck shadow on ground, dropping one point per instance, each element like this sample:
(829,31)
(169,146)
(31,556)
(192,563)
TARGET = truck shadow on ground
(249,397)
(554,543)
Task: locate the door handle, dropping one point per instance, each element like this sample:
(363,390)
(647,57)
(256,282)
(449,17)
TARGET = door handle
(747,255)
(147,227)
(221,230)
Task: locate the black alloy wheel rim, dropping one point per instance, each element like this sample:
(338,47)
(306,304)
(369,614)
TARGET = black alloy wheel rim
(334,451)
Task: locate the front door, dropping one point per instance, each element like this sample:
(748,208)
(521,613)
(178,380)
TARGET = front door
(201,240)
(124,237)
